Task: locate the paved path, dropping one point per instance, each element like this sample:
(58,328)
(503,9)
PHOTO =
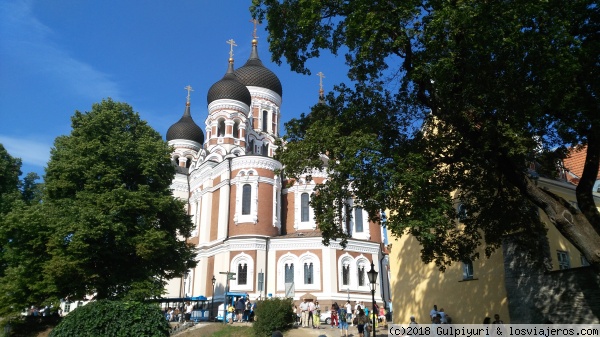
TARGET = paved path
(328,332)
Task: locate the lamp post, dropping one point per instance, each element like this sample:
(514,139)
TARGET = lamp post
(212,300)
(373,281)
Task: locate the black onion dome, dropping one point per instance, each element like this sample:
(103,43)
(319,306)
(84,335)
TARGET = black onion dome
(229,87)
(255,74)
(185,128)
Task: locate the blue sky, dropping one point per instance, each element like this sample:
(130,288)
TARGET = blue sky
(60,56)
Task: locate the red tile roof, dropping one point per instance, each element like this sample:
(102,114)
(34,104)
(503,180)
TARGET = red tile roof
(574,164)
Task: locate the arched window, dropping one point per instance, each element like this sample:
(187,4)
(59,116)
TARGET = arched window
(361,275)
(304,207)
(250,148)
(221,128)
(242,275)
(358,219)
(236,129)
(289,273)
(346,274)
(265,120)
(308,273)
(265,149)
(246,194)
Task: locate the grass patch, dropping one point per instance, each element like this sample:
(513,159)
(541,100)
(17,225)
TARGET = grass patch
(234,331)
(218,330)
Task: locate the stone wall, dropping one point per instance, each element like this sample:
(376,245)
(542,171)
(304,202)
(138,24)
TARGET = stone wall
(536,294)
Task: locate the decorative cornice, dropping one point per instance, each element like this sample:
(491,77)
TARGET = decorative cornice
(186,144)
(255,162)
(267,94)
(226,104)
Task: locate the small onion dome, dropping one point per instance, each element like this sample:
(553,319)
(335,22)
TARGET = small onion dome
(229,87)
(255,74)
(185,128)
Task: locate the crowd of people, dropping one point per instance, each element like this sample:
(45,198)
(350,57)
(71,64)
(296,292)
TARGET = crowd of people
(308,313)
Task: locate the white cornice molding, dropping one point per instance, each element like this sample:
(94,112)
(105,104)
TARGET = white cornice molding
(185,143)
(255,162)
(229,105)
(259,93)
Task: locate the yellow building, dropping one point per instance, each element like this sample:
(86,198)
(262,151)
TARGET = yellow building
(504,284)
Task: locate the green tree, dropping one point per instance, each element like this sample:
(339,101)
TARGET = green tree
(115,230)
(10,170)
(448,96)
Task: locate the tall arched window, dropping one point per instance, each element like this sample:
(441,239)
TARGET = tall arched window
(236,129)
(265,149)
(289,273)
(246,194)
(346,275)
(304,207)
(265,120)
(221,128)
(242,275)
(308,273)
(361,275)
(358,219)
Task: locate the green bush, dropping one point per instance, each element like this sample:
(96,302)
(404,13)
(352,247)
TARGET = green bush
(113,318)
(273,314)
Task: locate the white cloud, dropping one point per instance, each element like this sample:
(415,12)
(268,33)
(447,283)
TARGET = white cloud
(27,39)
(31,152)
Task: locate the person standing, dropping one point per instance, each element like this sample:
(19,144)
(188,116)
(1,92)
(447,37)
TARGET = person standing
(311,310)
(348,312)
(317,316)
(334,315)
(240,306)
(304,313)
(433,313)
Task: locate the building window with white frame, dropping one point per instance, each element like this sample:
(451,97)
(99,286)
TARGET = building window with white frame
(265,120)
(564,261)
(308,273)
(346,274)
(221,127)
(242,275)
(289,273)
(304,207)
(361,275)
(467,270)
(236,129)
(462,212)
(358,220)
(246,199)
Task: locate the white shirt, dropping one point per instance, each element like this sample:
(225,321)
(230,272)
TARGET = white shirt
(303,306)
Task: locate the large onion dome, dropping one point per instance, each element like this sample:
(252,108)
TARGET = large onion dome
(255,74)
(229,87)
(185,128)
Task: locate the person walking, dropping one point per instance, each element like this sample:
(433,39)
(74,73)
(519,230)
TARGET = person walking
(361,321)
(343,317)
(311,311)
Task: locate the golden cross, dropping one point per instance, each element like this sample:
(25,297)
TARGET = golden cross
(189,89)
(231,43)
(321,77)
(255,22)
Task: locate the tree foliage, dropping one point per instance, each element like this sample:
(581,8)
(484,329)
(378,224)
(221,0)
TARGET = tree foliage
(107,225)
(452,101)
(273,314)
(113,318)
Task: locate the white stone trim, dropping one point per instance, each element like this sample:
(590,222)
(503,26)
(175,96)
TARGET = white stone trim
(244,178)
(226,104)
(259,94)
(309,257)
(247,259)
(255,162)
(298,189)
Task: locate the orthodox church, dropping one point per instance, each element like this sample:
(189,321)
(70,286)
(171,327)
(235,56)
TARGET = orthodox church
(249,222)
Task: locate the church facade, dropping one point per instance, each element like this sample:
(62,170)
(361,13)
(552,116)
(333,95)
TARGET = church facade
(248,220)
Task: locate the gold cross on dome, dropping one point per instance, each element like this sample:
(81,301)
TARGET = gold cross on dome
(255,22)
(321,77)
(231,43)
(189,89)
